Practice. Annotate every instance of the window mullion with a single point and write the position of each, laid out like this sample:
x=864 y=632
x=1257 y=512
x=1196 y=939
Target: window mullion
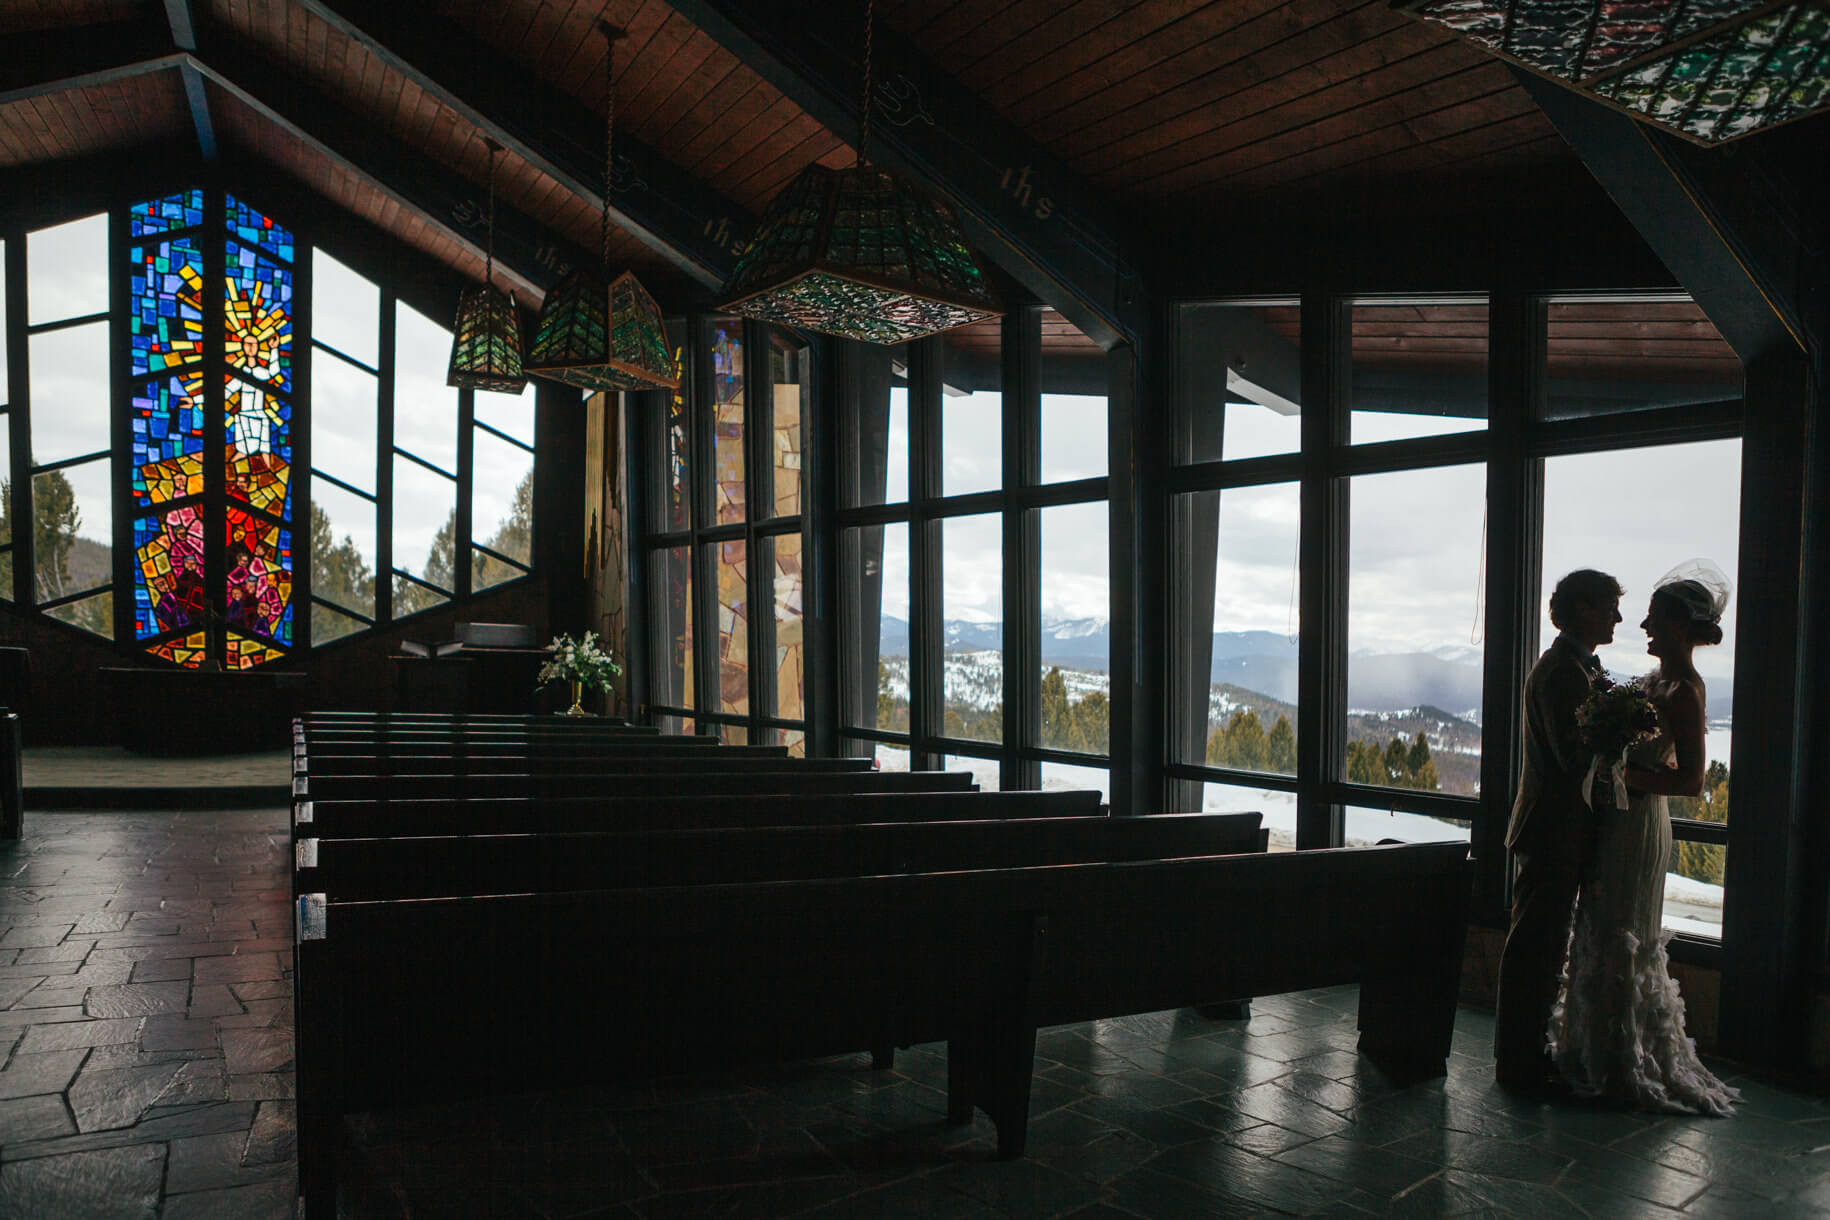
x=1021 y=353
x=1322 y=647
x=19 y=411
x=384 y=461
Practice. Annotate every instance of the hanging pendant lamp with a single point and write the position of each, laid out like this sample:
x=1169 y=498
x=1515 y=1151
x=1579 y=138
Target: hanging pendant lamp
x=862 y=253
x=595 y=332
x=486 y=338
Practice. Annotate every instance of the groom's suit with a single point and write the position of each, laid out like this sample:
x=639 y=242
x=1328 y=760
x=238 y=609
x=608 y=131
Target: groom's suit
x=1549 y=836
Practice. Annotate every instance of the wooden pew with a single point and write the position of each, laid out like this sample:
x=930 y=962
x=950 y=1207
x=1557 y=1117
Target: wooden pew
x=730 y=779
x=400 y=819
x=398 y=992
x=441 y=866
x=597 y=762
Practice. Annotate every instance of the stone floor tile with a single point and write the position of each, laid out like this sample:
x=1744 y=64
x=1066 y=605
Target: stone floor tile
x=212 y=1162
x=236 y=968
x=109 y=1184
x=198 y=1080
x=274 y=1199
x=34 y=1118
x=1161 y=1196
x=74 y=1034
x=18 y=1018
x=161 y=969
x=26 y=1075
x=251 y=1051
x=274 y=1136
x=261 y=1086
x=51 y=993
x=213 y=999
x=137 y=999
x=106 y=1099
x=22 y=936
x=68 y=951
x=172 y=1032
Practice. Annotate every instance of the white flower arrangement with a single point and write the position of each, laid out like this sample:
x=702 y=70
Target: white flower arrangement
x=580 y=661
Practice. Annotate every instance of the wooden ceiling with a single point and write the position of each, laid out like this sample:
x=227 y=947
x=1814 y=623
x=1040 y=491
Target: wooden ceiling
x=1165 y=108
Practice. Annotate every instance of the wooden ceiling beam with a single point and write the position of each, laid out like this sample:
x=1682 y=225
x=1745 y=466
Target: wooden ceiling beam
x=1033 y=215
x=526 y=254
x=183 y=24
x=38 y=64
x=682 y=219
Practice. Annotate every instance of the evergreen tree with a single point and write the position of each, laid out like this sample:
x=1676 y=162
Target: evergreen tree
x=1246 y=741
x=514 y=539
x=1419 y=754
x=1281 y=747
x=1092 y=720
x=1057 y=716
x=1397 y=764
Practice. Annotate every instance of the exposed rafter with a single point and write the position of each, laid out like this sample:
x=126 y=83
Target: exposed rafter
x=524 y=249
x=184 y=34
x=1027 y=209
x=680 y=218
x=51 y=62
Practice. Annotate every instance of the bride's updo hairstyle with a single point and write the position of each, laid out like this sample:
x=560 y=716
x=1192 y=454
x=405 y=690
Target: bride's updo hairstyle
x=1584 y=585
x=1696 y=590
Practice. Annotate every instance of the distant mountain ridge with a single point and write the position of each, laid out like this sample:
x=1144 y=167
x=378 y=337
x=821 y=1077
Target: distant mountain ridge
x=1262 y=661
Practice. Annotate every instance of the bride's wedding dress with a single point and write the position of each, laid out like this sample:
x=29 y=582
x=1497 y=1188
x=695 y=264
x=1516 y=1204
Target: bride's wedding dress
x=1617 y=1032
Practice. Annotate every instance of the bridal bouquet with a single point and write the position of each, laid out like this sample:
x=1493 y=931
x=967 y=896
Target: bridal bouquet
x=1615 y=717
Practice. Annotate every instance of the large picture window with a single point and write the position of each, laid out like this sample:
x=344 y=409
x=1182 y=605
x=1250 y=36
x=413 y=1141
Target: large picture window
x=170 y=398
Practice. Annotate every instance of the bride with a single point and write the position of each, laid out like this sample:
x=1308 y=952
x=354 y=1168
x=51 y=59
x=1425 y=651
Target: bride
x=1617 y=1032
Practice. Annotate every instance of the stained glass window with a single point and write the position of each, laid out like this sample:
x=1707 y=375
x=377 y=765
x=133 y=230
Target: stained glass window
x=192 y=603
x=727 y=418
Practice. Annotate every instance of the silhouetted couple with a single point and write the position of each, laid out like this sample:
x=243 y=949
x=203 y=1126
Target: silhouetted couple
x=1586 y=1005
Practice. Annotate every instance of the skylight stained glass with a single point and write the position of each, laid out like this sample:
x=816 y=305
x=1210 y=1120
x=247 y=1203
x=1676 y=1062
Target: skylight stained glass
x=167 y=421
x=180 y=211
x=257 y=315
x=258 y=592
x=169 y=591
x=165 y=325
x=258 y=455
x=258 y=229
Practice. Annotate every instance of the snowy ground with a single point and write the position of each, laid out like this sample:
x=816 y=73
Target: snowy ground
x=1690 y=906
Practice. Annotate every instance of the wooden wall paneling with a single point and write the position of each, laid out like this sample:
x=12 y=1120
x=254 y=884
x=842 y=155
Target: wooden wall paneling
x=710 y=69
x=1054 y=26
x=658 y=44
x=963 y=23
x=698 y=122
x=1455 y=147
x=691 y=65
x=762 y=175
x=991 y=39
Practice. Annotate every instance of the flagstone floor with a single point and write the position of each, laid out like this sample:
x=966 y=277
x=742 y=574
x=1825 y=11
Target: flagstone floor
x=146 y=1044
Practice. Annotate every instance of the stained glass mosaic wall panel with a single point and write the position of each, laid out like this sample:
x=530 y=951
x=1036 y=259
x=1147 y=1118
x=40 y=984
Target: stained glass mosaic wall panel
x=677 y=511
x=258 y=230
x=258 y=319
x=166 y=416
x=165 y=321
x=258 y=585
x=170 y=592
x=727 y=418
x=188 y=651
x=785 y=551
x=789 y=376
x=258 y=450
x=733 y=629
x=675 y=627
x=241 y=652
x=181 y=211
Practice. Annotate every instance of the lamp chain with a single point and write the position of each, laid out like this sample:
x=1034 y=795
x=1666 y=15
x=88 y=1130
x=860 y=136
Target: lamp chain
x=864 y=105
x=611 y=34
x=489 y=240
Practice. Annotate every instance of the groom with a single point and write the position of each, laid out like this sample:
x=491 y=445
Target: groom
x=1549 y=833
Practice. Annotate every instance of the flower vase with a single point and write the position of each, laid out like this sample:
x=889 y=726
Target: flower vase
x=577 y=708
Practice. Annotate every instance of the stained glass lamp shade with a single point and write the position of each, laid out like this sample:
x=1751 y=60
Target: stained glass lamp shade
x=1710 y=70
x=486 y=342
x=864 y=254
x=594 y=331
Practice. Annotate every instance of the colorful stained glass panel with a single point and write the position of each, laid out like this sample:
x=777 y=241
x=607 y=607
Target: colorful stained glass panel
x=242 y=652
x=258 y=318
x=727 y=418
x=258 y=456
x=181 y=211
x=167 y=423
x=188 y=651
x=257 y=229
x=259 y=583
x=168 y=586
x=165 y=325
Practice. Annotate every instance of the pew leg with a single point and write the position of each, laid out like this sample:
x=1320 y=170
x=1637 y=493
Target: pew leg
x=883 y=1057
x=992 y=1057
x=1407 y=1021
